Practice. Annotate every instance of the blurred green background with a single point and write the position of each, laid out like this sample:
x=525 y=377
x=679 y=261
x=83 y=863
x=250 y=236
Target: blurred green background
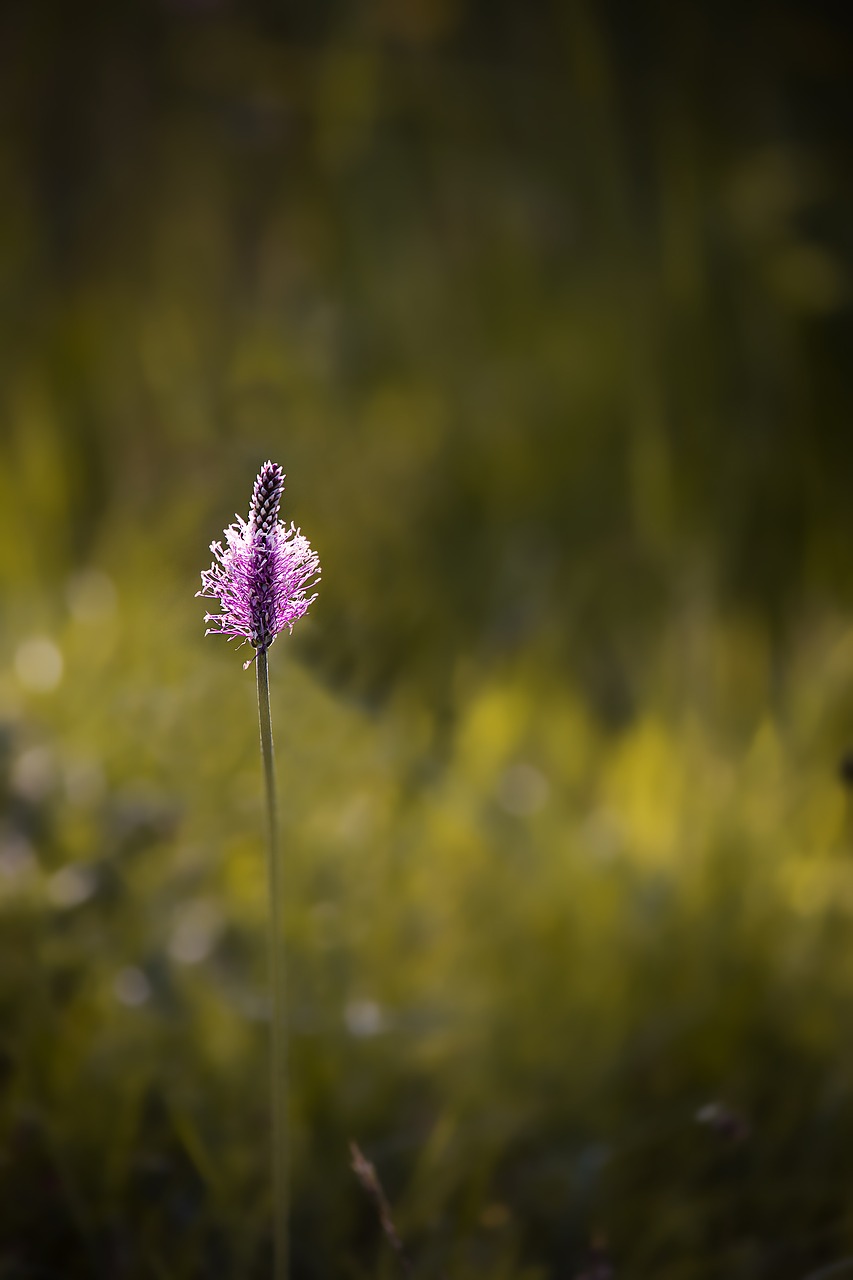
x=545 y=310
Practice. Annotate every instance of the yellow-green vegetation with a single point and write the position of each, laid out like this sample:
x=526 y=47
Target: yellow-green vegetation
x=547 y=319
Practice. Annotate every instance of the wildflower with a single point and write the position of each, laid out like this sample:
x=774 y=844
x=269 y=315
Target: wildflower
x=262 y=575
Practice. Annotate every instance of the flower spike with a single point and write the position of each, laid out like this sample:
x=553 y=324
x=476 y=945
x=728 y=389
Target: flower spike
x=262 y=575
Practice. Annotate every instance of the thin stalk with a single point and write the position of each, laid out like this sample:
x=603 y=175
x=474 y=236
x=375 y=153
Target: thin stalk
x=278 y=975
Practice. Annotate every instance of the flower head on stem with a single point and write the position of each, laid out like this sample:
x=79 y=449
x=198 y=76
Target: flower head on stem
x=262 y=575
x=261 y=578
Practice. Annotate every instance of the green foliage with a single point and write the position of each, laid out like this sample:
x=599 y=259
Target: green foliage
x=546 y=321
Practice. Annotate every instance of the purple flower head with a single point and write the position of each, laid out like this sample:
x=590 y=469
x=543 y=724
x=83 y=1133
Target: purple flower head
x=262 y=574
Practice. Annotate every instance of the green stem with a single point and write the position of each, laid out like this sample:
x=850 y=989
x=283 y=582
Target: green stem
x=278 y=971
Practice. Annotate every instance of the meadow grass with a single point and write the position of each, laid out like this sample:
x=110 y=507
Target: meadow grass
x=524 y=959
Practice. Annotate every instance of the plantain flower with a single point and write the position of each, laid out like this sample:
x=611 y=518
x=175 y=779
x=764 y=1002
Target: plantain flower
x=261 y=576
